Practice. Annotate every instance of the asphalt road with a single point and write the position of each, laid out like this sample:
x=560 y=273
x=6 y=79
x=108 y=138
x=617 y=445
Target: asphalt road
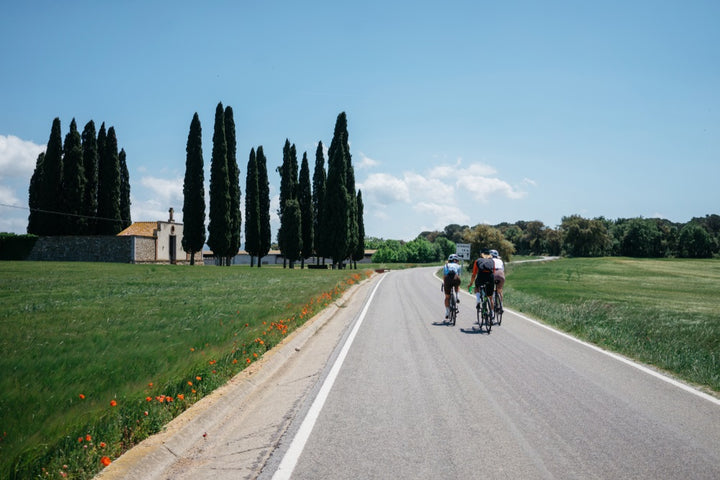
x=383 y=389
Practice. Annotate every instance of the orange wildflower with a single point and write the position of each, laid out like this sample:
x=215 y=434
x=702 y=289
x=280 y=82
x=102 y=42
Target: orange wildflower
x=88 y=438
x=103 y=444
x=82 y=397
x=105 y=461
x=113 y=403
x=148 y=399
x=181 y=396
x=198 y=378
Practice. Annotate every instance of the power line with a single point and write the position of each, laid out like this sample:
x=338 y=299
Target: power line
x=65 y=214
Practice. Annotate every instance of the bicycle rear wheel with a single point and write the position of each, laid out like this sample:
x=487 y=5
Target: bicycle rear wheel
x=498 y=310
x=453 y=309
x=486 y=315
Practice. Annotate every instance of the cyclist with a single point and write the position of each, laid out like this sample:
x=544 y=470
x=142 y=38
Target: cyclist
x=484 y=277
x=451 y=279
x=499 y=275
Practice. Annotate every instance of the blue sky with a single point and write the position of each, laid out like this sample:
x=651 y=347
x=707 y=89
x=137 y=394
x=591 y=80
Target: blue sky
x=458 y=112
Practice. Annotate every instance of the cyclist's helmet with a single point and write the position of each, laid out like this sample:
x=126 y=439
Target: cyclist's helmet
x=494 y=253
x=453 y=258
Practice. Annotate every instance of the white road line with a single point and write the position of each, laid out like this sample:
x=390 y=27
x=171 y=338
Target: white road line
x=287 y=465
x=620 y=358
x=624 y=360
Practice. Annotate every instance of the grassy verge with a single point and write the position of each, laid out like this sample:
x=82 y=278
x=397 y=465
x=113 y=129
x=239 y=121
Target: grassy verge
x=660 y=312
x=96 y=357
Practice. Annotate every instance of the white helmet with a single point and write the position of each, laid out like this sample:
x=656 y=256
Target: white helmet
x=453 y=258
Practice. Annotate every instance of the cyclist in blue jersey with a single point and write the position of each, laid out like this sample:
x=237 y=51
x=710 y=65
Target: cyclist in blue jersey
x=451 y=279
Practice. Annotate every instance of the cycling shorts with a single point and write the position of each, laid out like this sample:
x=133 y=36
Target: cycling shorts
x=487 y=281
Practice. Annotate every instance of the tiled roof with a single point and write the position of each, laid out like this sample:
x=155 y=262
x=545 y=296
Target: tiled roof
x=140 y=229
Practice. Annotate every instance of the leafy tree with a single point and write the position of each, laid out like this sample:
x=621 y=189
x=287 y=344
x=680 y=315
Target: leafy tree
x=219 y=228
x=694 y=241
x=90 y=164
x=109 y=221
x=73 y=188
x=641 y=239
x=34 y=196
x=359 y=252
x=306 y=210
x=194 y=192
x=454 y=232
x=124 y=191
x=264 y=206
x=583 y=237
x=292 y=231
x=235 y=225
x=446 y=246
x=252 y=208
x=318 y=192
x=486 y=237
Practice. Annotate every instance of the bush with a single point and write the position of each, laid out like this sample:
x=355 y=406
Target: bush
x=16 y=247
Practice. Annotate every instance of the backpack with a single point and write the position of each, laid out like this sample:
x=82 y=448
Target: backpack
x=485 y=265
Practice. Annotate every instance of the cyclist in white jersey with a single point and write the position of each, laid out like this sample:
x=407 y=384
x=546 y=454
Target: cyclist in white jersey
x=451 y=279
x=499 y=273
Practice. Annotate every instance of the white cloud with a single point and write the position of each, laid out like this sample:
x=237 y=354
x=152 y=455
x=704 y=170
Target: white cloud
x=18 y=157
x=367 y=162
x=385 y=189
x=170 y=191
x=7 y=196
x=484 y=188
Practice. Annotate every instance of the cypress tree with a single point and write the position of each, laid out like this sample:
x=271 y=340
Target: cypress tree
x=219 y=227
x=336 y=215
x=359 y=252
x=292 y=231
x=50 y=192
x=306 y=210
x=34 y=199
x=109 y=221
x=352 y=206
x=73 y=183
x=124 y=192
x=194 y=192
x=90 y=163
x=263 y=206
x=252 y=208
x=318 y=198
x=101 y=143
x=233 y=185
x=288 y=187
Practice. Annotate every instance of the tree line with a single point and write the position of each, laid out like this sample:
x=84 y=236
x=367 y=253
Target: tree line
x=324 y=219
x=80 y=186
x=576 y=237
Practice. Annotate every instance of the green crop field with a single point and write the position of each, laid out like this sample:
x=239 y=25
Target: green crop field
x=662 y=312
x=96 y=357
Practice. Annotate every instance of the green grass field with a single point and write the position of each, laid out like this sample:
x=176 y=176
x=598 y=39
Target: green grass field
x=662 y=312
x=96 y=357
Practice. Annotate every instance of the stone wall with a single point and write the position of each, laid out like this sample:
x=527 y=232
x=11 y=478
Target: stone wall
x=83 y=249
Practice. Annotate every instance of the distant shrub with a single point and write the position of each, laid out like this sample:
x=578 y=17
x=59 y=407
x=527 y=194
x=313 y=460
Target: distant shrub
x=16 y=247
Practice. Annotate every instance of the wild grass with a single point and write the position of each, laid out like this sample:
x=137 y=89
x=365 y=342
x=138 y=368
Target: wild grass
x=96 y=357
x=662 y=312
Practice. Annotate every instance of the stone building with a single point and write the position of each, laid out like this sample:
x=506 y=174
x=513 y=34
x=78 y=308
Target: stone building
x=159 y=242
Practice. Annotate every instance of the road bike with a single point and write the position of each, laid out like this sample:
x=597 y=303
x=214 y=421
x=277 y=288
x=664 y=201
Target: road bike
x=498 y=307
x=483 y=311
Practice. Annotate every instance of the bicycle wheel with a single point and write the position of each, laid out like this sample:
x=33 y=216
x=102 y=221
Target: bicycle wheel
x=498 y=310
x=453 y=309
x=486 y=314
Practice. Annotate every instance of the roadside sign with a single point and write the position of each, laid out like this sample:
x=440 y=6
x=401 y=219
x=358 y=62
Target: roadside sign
x=463 y=250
